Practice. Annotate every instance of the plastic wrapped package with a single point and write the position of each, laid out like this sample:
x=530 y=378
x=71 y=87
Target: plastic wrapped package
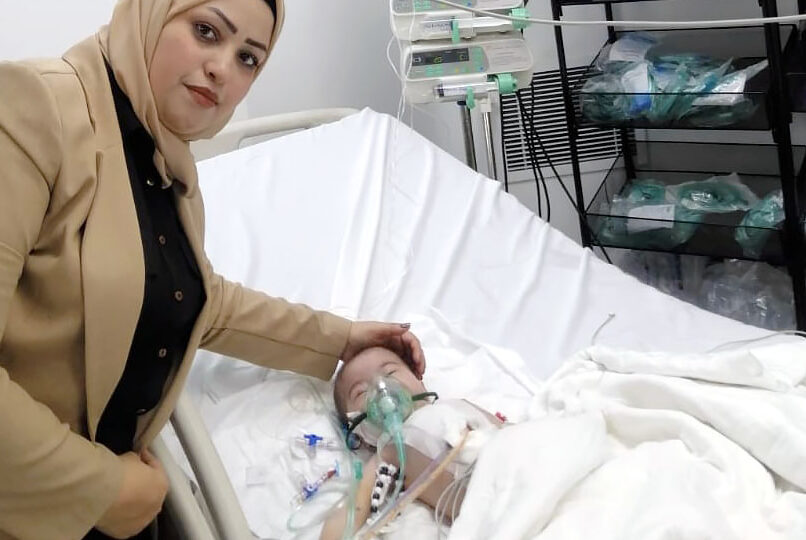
x=650 y=215
x=680 y=79
x=675 y=275
x=726 y=104
x=632 y=85
x=645 y=215
x=758 y=223
x=715 y=195
x=751 y=292
x=621 y=92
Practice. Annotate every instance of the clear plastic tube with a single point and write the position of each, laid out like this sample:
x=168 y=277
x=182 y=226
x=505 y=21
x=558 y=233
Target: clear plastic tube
x=720 y=23
x=343 y=494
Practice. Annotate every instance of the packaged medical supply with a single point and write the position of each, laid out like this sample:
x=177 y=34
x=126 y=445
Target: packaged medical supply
x=751 y=292
x=646 y=215
x=673 y=274
x=717 y=195
x=759 y=222
x=651 y=215
x=629 y=84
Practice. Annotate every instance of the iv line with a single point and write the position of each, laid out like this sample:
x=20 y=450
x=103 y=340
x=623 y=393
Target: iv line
x=723 y=23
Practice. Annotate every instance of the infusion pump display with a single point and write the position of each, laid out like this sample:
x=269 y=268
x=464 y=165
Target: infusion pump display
x=453 y=61
x=486 y=56
x=448 y=56
x=407 y=6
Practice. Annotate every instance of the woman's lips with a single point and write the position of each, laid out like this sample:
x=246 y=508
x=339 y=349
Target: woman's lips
x=202 y=96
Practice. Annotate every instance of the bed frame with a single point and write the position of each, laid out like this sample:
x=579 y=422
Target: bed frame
x=213 y=512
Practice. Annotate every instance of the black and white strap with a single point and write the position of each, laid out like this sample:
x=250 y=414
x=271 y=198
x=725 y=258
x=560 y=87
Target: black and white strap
x=385 y=476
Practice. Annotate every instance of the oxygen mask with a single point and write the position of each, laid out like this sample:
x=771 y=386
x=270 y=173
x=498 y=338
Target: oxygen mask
x=388 y=404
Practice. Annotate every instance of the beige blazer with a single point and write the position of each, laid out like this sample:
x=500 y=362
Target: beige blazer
x=71 y=289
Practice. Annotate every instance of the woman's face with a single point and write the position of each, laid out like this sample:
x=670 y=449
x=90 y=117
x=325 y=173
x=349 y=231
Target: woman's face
x=206 y=60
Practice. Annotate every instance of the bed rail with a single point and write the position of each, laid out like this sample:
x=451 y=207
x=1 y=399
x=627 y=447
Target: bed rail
x=233 y=135
x=226 y=519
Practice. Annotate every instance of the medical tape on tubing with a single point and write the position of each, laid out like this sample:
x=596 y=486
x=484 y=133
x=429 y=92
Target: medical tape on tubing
x=719 y=23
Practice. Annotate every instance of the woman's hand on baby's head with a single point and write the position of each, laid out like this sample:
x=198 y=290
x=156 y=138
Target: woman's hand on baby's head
x=395 y=337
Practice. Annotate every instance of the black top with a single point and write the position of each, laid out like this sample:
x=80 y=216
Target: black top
x=173 y=295
x=172 y=298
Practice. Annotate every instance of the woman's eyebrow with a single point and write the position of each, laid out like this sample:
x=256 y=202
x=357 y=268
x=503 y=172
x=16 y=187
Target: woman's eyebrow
x=250 y=41
x=234 y=29
x=229 y=23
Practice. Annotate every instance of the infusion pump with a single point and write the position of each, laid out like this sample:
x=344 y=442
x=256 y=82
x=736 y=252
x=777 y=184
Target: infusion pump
x=447 y=71
x=415 y=20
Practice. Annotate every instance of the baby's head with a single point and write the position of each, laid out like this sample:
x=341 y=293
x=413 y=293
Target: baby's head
x=354 y=378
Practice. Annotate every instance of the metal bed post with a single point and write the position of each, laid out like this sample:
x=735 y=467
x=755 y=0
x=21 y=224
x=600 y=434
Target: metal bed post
x=215 y=485
x=626 y=147
x=488 y=139
x=467 y=132
x=180 y=503
x=229 y=522
x=793 y=233
x=556 y=12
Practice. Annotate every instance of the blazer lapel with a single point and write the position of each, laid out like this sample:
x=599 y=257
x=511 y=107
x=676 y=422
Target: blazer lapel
x=112 y=268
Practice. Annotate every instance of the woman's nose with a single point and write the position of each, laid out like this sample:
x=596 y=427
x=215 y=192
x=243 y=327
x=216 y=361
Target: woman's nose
x=217 y=69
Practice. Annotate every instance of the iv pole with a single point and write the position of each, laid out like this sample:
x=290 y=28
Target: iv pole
x=470 y=147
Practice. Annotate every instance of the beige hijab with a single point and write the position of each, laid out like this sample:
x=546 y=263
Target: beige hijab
x=128 y=43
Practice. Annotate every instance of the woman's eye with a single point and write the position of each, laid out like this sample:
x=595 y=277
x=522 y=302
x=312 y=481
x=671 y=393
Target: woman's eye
x=249 y=60
x=205 y=32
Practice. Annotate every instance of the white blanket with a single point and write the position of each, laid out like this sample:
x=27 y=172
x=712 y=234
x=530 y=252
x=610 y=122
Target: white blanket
x=634 y=446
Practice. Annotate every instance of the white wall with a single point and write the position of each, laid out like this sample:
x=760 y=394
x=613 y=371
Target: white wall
x=46 y=28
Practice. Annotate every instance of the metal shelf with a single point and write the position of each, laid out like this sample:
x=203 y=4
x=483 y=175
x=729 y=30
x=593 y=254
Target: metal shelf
x=782 y=91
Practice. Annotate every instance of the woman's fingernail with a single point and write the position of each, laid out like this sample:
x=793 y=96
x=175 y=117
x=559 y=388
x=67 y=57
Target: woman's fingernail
x=406 y=325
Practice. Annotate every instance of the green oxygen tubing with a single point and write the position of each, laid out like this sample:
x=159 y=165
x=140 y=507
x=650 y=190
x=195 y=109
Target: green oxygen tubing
x=388 y=405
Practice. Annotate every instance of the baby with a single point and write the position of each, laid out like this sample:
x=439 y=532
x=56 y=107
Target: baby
x=428 y=430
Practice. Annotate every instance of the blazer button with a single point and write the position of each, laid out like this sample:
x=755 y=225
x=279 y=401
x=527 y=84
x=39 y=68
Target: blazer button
x=179 y=296
x=162 y=353
x=162 y=240
x=150 y=182
x=140 y=412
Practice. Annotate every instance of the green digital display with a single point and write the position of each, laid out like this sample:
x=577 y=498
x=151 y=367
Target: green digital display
x=432 y=58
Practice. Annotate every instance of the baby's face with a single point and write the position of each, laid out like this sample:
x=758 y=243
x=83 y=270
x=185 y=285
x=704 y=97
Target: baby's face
x=359 y=372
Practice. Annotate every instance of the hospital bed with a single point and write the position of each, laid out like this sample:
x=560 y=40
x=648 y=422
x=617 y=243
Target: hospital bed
x=362 y=216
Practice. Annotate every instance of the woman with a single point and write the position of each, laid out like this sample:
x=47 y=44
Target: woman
x=105 y=291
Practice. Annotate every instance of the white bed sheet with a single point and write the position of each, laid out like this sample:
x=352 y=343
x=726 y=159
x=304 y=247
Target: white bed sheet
x=368 y=219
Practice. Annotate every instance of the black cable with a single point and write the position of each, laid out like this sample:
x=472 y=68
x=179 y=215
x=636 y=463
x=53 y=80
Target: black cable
x=503 y=146
x=574 y=204
x=534 y=131
x=536 y=171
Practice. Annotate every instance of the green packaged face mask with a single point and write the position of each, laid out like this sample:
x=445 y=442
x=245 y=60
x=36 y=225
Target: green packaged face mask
x=715 y=195
x=646 y=216
x=759 y=222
